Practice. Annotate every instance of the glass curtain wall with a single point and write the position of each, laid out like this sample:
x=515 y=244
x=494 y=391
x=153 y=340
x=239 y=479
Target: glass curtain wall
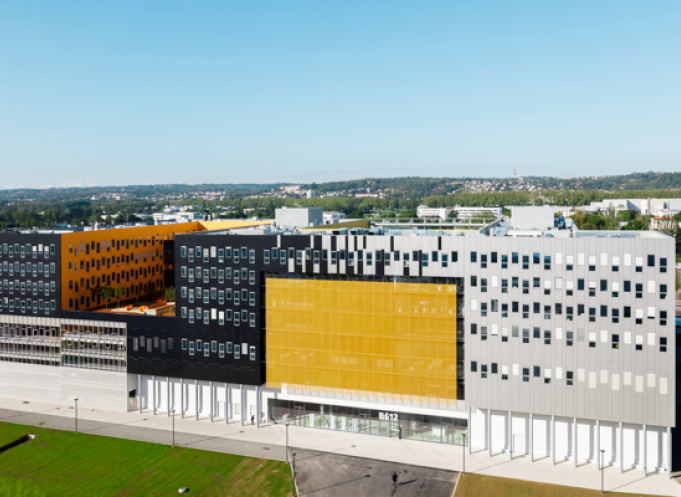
x=438 y=429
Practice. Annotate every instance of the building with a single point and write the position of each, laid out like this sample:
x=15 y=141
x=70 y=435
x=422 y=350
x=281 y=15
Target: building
x=442 y=213
x=333 y=217
x=299 y=217
x=530 y=337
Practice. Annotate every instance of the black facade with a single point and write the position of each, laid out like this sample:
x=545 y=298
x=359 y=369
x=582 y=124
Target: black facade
x=30 y=274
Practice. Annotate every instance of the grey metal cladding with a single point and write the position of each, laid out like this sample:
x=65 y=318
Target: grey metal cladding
x=610 y=384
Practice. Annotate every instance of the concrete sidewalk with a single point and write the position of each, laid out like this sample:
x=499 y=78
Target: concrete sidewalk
x=269 y=441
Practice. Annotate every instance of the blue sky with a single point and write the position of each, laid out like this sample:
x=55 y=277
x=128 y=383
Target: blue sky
x=194 y=92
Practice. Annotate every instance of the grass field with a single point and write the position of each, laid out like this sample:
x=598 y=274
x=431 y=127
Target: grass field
x=62 y=463
x=490 y=486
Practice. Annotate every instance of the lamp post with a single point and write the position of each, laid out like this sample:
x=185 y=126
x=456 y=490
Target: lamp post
x=602 y=468
x=173 y=414
x=76 y=415
x=294 y=473
x=463 y=435
x=286 y=442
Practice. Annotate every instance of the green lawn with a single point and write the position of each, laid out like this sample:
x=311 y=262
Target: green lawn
x=62 y=463
x=472 y=485
x=9 y=433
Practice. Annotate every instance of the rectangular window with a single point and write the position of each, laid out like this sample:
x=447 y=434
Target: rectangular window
x=252 y=353
x=547 y=337
x=455 y=256
x=266 y=256
x=474 y=257
x=569 y=338
x=663 y=264
x=615 y=341
x=483 y=333
x=483 y=260
x=504 y=261
x=237 y=351
x=445 y=260
x=570 y=376
x=651 y=261
x=474 y=329
x=474 y=281
x=526 y=374
x=474 y=366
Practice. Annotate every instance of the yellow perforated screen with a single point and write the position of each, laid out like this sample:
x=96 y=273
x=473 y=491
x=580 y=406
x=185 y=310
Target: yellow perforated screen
x=374 y=339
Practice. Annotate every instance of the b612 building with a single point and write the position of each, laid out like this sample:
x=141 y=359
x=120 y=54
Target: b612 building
x=528 y=337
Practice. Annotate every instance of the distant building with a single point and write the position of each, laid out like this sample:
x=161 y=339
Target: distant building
x=333 y=217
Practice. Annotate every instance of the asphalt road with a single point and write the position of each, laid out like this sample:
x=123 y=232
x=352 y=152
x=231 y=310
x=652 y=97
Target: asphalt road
x=325 y=474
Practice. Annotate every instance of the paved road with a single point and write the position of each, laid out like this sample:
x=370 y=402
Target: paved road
x=135 y=430
x=324 y=474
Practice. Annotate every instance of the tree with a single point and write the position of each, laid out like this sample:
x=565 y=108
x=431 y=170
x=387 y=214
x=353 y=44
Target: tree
x=453 y=215
x=107 y=292
x=169 y=294
x=119 y=291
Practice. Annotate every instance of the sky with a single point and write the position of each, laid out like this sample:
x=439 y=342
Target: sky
x=115 y=93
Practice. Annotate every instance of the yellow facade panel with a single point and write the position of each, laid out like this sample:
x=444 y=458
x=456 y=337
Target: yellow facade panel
x=386 y=340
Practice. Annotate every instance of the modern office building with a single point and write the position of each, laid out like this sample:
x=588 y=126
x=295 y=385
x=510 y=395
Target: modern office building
x=529 y=337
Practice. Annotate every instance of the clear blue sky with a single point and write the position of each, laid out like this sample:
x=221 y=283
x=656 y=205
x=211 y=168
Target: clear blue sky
x=193 y=92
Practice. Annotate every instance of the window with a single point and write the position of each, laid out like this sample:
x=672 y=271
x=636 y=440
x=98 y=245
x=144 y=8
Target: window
x=483 y=284
x=494 y=368
x=504 y=310
x=222 y=351
x=483 y=309
x=559 y=309
x=651 y=261
x=536 y=333
x=424 y=259
x=569 y=338
x=514 y=282
x=526 y=311
x=483 y=260
x=504 y=261
x=547 y=262
x=580 y=284
x=526 y=335
x=663 y=292
x=526 y=262
x=474 y=329
x=639 y=290
x=615 y=341
x=570 y=376
x=604 y=285
x=434 y=256
x=663 y=318
x=604 y=311
x=663 y=264
x=615 y=315
x=537 y=371
x=474 y=366
x=474 y=281
x=536 y=308
x=547 y=312
x=547 y=337
x=184 y=344
x=483 y=370
x=536 y=283
x=266 y=256
x=229 y=347
x=483 y=333
x=663 y=344
x=526 y=374
x=474 y=257
x=592 y=314
x=237 y=351
x=198 y=345
x=526 y=286
x=627 y=311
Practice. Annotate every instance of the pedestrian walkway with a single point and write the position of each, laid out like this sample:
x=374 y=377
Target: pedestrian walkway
x=269 y=441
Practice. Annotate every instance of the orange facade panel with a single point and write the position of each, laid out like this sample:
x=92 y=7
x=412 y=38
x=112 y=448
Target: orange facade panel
x=373 y=339
x=131 y=258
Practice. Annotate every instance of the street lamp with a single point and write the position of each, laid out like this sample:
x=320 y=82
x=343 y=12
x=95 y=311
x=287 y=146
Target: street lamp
x=286 y=442
x=294 y=473
x=173 y=414
x=76 y=415
x=602 y=468
x=463 y=435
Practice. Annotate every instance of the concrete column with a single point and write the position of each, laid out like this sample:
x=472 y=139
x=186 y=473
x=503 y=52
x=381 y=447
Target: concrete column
x=669 y=452
x=531 y=437
x=168 y=393
x=553 y=440
x=489 y=432
x=470 y=432
x=211 y=401
x=597 y=438
x=139 y=392
x=181 y=398
x=645 y=450
x=575 y=450
x=196 y=400
x=510 y=435
x=153 y=394
x=621 y=447
x=241 y=403
x=257 y=406
x=227 y=403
